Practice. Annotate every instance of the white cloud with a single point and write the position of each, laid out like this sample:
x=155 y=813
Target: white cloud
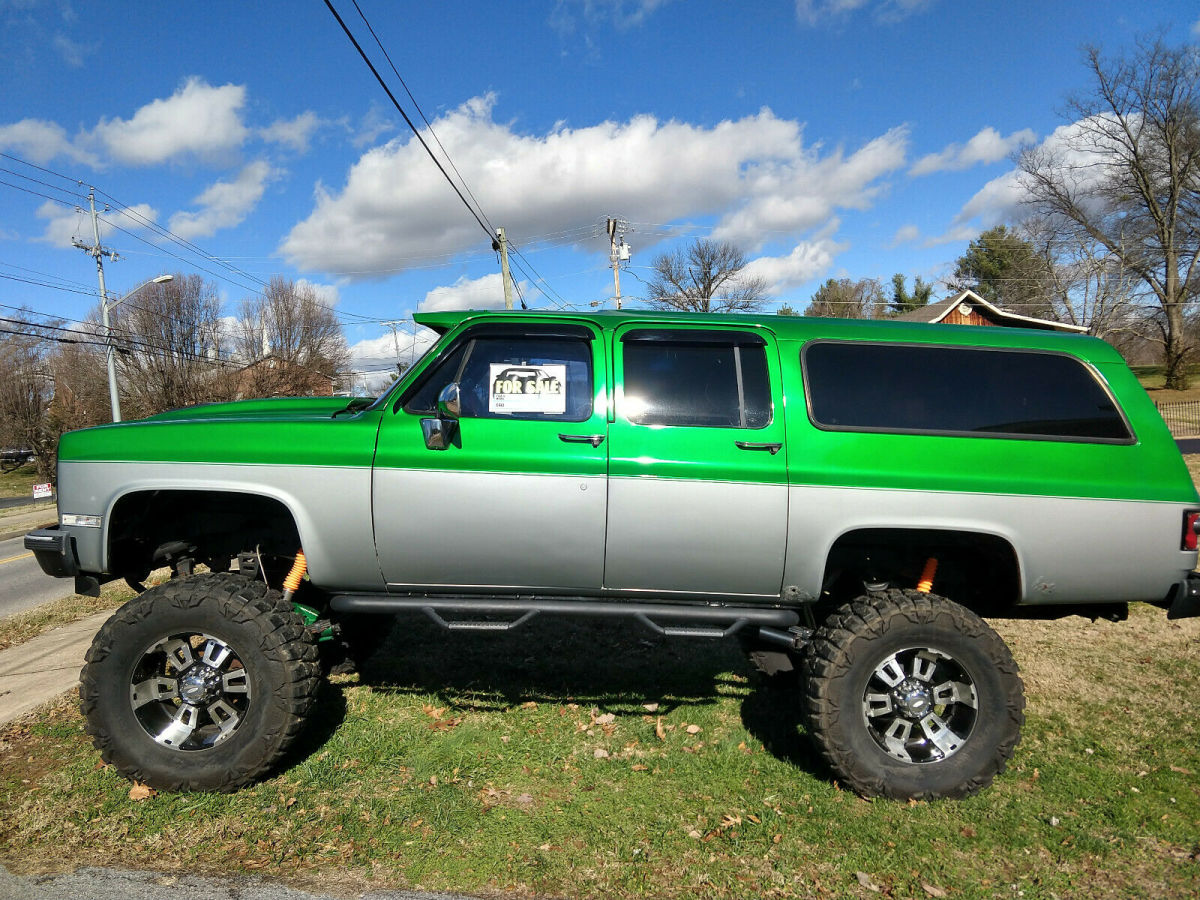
x=808 y=260
x=371 y=127
x=40 y=141
x=755 y=175
x=818 y=12
x=466 y=293
x=804 y=192
x=327 y=294
x=72 y=52
x=63 y=224
x=1196 y=28
x=905 y=234
x=622 y=13
x=197 y=120
x=225 y=203
x=1001 y=199
x=295 y=133
x=984 y=148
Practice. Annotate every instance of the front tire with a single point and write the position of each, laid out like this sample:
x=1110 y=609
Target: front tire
x=199 y=684
x=912 y=696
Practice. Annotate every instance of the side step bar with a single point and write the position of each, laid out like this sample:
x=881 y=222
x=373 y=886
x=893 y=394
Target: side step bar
x=676 y=620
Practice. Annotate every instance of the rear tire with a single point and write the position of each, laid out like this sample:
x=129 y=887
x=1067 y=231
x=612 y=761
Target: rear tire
x=199 y=684
x=912 y=696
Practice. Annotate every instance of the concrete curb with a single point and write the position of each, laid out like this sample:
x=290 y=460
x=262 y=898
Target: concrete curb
x=44 y=667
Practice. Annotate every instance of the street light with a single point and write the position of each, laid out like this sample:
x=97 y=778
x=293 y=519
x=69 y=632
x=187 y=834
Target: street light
x=105 y=306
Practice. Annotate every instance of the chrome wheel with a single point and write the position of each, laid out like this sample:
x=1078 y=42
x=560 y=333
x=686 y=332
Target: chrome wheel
x=190 y=691
x=920 y=705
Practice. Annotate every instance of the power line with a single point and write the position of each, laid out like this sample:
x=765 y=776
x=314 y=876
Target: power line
x=421 y=112
x=383 y=84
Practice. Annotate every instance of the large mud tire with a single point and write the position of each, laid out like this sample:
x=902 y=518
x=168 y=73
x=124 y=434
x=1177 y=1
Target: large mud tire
x=911 y=696
x=219 y=644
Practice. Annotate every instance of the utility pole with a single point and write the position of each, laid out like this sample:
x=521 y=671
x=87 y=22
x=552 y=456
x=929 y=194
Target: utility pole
x=394 y=324
x=97 y=252
x=501 y=244
x=617 y=252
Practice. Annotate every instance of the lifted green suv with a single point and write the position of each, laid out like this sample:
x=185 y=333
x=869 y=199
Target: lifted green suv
x=847 y=498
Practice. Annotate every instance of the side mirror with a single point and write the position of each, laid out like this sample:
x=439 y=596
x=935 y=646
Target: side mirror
x=447 y=403
x=440 y=432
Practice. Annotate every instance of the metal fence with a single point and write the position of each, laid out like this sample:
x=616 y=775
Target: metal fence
x=1182 y=418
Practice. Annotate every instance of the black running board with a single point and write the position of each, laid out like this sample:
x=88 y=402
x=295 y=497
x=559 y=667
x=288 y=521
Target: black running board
x=667 y=619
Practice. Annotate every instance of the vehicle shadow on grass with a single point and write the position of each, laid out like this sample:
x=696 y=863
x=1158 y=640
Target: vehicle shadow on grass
x=615 y=667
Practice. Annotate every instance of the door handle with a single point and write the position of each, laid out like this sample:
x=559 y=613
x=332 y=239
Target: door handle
x=594 y=439
x=750 y=445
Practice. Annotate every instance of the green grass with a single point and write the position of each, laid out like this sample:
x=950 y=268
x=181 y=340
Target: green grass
x=480 y=763
x=20 y=482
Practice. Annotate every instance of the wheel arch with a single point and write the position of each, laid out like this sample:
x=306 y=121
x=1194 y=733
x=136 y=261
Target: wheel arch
x=142 y=517
x=978 y=567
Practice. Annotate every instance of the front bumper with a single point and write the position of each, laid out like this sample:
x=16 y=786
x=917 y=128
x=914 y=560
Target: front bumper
x=1185 y=599
x=55 y=551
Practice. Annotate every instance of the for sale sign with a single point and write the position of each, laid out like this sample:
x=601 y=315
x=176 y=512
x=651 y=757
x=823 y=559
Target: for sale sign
x=41 y=491
x=528 y=389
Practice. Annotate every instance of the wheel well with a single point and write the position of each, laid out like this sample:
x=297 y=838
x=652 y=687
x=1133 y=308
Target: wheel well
x=147 y=528
x=978 y=571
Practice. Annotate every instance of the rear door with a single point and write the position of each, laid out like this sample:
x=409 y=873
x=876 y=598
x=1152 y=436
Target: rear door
x=698 y=496
x=518 y=499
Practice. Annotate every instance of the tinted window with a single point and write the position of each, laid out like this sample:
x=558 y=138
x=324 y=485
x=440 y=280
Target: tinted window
x=513 y=377
x=894 y=387
x=676 y=380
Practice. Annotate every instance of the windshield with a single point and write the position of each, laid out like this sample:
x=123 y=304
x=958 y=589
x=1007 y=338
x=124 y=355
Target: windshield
x=416 y=364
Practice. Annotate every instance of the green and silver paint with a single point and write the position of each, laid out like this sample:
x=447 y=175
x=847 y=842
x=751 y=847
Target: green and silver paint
x=666 y=510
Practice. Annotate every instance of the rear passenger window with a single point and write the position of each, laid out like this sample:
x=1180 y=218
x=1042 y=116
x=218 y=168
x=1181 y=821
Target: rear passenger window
x=716 y=379
x=958 y=390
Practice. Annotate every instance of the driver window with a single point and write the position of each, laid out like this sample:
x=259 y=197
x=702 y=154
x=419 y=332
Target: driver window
x=519 y=377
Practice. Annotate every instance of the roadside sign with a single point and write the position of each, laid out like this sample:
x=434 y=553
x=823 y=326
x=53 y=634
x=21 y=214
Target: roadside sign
x=41 y=491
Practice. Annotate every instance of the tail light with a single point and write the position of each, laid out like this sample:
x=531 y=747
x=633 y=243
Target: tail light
x=1191 y=521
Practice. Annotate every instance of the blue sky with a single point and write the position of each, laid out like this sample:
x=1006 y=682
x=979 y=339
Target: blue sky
x=827 y=138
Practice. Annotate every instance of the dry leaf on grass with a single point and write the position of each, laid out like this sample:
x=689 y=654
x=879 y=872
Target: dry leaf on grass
x=141 y=791
x=659 y=731
x=865 y=880
x=650 y=707
x=932 y=890
x=693 y=729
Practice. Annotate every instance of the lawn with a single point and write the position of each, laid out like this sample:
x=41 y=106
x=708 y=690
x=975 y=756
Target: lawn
x=594 y=761
x=19 y=482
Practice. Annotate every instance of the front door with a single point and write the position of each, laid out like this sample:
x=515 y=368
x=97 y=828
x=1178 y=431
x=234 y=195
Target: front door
x=697 y=497
x=518 y=499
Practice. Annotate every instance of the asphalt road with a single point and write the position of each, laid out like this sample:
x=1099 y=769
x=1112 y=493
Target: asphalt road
x=23 y=584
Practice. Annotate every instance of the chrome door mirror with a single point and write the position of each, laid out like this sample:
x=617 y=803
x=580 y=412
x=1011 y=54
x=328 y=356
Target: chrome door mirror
x=447 y=403
x=439 y=433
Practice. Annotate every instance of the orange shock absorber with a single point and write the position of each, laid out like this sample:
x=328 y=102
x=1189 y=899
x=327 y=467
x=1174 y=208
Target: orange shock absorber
x=926 y=581
x=292 y=583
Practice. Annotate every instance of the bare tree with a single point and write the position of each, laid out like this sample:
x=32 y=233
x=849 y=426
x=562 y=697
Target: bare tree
x=707 y=276
x=843 y=298
x=1081 y=283
x=292 y=342
x=172 y=337
x=1126 y=176
x=26 y=390
x=80 y=386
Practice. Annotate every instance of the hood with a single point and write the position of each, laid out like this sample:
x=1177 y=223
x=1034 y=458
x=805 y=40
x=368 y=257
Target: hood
x=289 y=408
